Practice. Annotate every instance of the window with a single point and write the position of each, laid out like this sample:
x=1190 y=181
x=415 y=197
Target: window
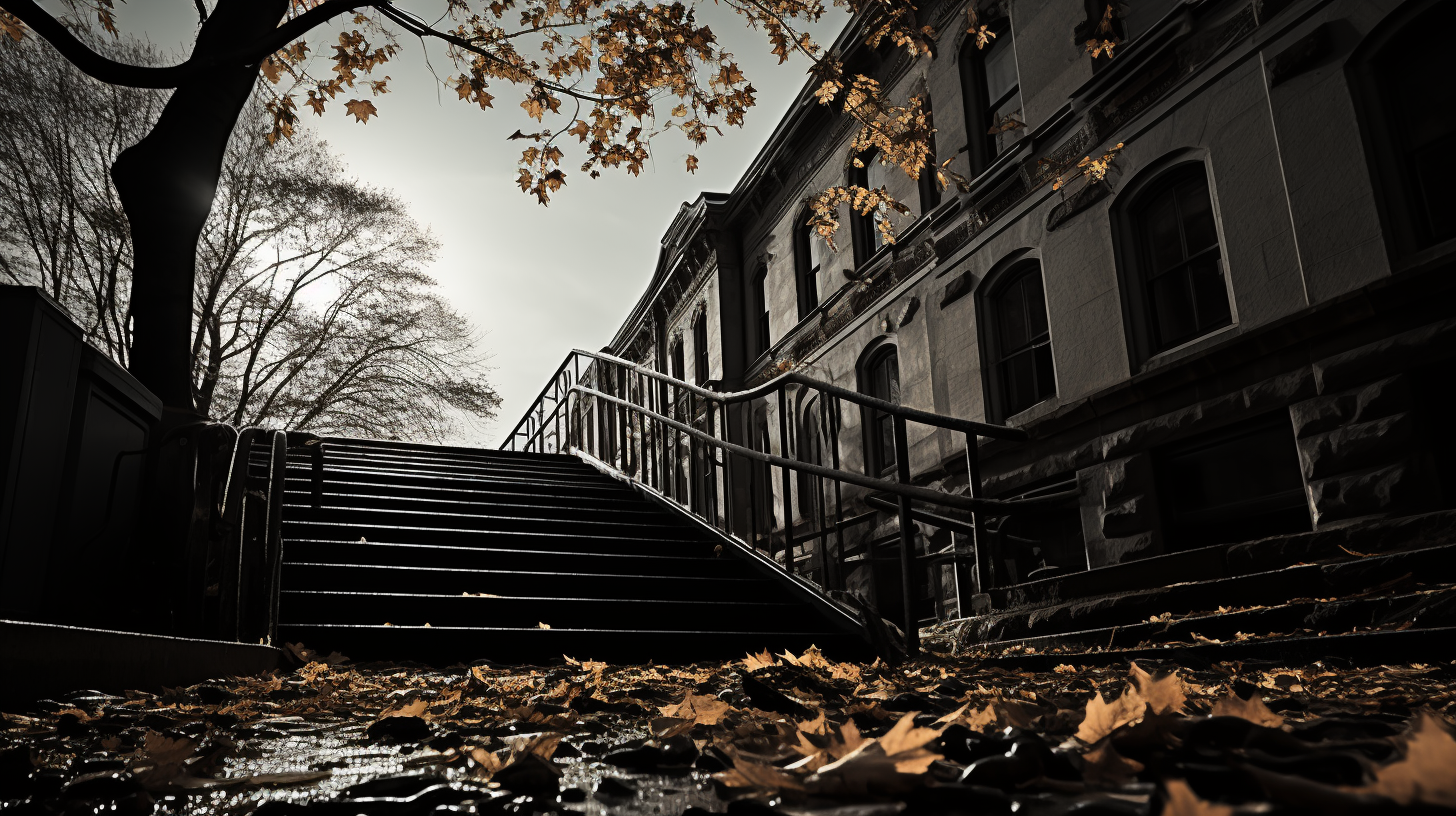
x=1234 y=484
x=677 y=360
x=992 y=93
x=1408 y=93
x=881 y=379
x=700 y=349
x=1182 y=267
x=809 y=251
x=1173 y=277
x=929 y=187
x=810 y=451
x=864 y=237
x=758 y=306
x=1017 y=341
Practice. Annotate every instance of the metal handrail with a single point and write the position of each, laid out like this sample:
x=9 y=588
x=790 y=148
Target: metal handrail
x=640 y=422
x=788 y=378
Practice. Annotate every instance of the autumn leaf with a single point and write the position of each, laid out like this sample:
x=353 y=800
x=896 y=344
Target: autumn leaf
x=1182 y=801
x=762 y=660
x=361 y=109
x=1163 y=695
x=1104 y=766
x=1252 y=709
x=1425 y=773
x=692 y=164
x=702 y=709
x=418 y=708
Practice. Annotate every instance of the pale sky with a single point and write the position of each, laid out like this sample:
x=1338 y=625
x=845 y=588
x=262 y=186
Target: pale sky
x=536 y=281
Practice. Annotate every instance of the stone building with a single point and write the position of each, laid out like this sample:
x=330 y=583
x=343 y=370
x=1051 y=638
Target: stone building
x=1245 y=330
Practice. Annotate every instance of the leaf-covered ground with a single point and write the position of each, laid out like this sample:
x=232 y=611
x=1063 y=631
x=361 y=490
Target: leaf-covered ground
x=768 y=733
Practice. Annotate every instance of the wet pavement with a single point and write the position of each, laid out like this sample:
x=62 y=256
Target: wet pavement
x=768 y=734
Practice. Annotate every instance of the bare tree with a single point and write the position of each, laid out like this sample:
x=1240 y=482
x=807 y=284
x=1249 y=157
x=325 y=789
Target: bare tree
x=311 y=306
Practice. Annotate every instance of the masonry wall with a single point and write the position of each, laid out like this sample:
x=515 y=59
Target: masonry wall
x=1331 y=332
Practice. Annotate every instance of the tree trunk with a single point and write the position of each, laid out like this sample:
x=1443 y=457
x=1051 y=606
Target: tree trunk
x=167 y=182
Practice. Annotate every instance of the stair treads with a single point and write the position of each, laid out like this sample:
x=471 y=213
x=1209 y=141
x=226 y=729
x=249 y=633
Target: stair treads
x=455 y=581
x=597 y=518
x=388 y=553
x=422 y=449
x=364 y=475
x=467 y=507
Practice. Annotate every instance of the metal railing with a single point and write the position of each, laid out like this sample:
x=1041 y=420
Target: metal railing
x=706 y=451
x=234 y=550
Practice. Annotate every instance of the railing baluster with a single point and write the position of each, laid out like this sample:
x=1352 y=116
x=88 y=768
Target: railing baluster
x=985 y=570
x=784 y=481
x=907 y=539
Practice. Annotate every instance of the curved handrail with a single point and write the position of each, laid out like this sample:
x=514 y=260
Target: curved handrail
x=773 y=385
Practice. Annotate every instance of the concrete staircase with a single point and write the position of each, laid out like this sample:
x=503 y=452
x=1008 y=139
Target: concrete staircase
x=441 y=555
x=1367 y=592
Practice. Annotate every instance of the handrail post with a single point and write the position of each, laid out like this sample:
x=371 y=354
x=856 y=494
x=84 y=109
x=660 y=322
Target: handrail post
x=907 y=538
x=984 y=574
x=785 y=482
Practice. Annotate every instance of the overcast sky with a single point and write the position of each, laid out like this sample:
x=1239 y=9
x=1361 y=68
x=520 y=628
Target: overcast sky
x=536 y=281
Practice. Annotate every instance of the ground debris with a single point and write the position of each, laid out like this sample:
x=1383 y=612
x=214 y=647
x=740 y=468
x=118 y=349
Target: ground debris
x=793 y=734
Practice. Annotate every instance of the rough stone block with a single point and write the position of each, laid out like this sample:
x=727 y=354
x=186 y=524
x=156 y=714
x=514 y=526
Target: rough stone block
x=1126 y=518
x=1364 y=494
x=1357 y=446
x=1321 y=414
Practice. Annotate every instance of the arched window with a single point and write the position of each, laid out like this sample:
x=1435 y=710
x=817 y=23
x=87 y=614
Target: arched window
x=810 y=450
x=881 y=379
x=758 y=311
x=1407 y=93
x=809 y=251
x=1173 y=264
x=992 y=93
x=700 y=348
x=1017 y=342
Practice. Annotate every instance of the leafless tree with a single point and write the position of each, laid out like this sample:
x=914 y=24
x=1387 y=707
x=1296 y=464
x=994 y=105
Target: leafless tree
x=312 y=309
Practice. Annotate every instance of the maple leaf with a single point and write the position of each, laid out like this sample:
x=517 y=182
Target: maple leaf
x=1180 y=800
x=1424 y=773
x=762 y=660
x=361 y=109
x=1163 y=695
x=1252 y=709
x=891 y=764
x=692 y=164
x=418 y=708
x=702 y=709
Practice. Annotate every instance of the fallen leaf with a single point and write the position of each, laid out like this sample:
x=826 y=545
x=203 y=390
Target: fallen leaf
x=1252 y=709
x=1425 y=773
x=1105 y=767
x=1182 y=801
x=762 y=660
x=700 y=708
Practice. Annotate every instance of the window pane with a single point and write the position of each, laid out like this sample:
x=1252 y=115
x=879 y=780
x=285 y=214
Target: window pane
x=1018 y=383
x=892 y=367
x=1046 y=379
x=887 y=441
x=1193 y=204
x=1160 y=231
x=1035 y=305
x=1172 y=303
x=1011 y=319
x=1210 y=293
x=1000 y=60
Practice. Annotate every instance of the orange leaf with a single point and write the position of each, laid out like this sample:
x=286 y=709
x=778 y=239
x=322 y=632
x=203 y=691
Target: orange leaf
x=361 y=109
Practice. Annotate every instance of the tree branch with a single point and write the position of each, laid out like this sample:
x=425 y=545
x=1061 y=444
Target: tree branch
x=112 y=72
x=201 y=11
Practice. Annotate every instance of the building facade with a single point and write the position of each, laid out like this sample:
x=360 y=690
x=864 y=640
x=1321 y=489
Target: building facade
x=1245 y=329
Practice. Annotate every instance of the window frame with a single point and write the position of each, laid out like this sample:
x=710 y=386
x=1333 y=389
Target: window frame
x=1000 y=281
x=758 y=318
x=975 y=96
x=862 y=227
x=1381 y=136
x=806 y=275
x=879 y=457
x=700 y=348
x=1132 y=264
